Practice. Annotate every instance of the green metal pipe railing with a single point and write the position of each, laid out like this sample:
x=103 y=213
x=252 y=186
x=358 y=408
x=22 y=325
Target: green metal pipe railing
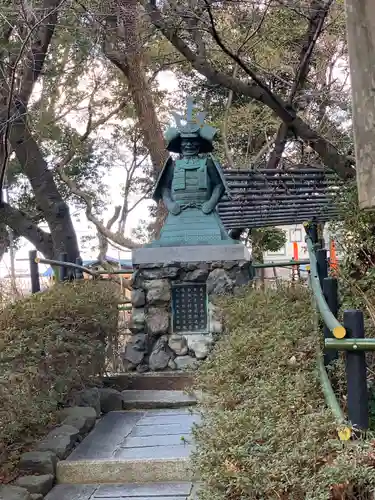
x=72 y=265
x=350 y=344
x=329 y=319
x=65 y=264
x=329 y=394
x=263 y=265
x=116 y=271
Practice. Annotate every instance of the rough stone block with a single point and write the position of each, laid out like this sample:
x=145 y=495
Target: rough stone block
x=185 y=362
x=41 y=462
x=219 y=283
x=157 y=321
x=200 y=345
x=60 y=441
x=160 y=355
x=135 y=349
x=13 y=493
x=88 y=397
x=82 y=418
x=138 y=298
x=158 y=291
x=199 y=275
x=110 y=400
x=160 y=273
x=36 y=484
x=137 y=322
x=178 y=344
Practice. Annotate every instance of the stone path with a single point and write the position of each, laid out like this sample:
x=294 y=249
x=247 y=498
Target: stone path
x=135 y=454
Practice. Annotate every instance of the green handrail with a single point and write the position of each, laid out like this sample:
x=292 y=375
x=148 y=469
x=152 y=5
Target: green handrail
x=65 y=264
x=350 y=344
x=263 y=265
x=329 y=395
x=329 y=319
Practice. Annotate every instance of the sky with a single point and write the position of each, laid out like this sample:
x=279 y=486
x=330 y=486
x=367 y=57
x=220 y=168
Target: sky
x=167 y=81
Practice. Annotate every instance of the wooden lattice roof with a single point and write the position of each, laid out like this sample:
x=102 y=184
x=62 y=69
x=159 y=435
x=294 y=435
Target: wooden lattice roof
x=260 y=198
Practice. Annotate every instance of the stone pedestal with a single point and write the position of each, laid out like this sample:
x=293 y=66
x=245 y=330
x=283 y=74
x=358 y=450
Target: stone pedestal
x=174 y=321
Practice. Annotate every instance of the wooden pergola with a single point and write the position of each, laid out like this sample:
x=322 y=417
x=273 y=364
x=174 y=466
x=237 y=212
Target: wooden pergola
x=260 y=198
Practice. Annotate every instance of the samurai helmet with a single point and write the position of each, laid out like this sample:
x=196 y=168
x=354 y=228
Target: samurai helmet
x=193 y=128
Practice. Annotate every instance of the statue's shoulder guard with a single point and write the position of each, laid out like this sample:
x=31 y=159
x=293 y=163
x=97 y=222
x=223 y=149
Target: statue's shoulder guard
x=161 y=181
x=220 y=173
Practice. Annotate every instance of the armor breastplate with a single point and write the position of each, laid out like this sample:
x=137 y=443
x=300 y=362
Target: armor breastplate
x=190 y=181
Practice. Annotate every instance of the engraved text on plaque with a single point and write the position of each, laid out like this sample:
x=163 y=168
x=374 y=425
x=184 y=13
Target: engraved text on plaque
x=189 y=305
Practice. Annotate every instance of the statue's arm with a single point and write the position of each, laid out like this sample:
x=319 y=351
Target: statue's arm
x=166 y=191
x=217 y=191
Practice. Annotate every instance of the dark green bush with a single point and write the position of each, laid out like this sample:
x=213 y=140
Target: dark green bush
x=50 y=344
x=266 y=431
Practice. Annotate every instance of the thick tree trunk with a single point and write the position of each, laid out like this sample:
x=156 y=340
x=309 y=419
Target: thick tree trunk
x=15 y=90
x=130 y=61
x=47 y=196
x=361 y=45
x=23 y=226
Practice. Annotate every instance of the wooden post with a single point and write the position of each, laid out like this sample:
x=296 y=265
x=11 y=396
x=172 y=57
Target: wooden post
x=360 y=23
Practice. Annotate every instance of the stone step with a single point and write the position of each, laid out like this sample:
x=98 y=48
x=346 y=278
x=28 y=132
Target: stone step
x=157 y=399
x=135 y=491
x=151 y=381
x=133 y=446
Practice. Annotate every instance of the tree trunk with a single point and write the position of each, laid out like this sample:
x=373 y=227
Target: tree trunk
x=47 y=196
x=130 y=61
x=23 y=226
x=361 y=45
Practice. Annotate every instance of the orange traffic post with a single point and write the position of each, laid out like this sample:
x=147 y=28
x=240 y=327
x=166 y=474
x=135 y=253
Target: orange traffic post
x=295 y=269
x=333 y=263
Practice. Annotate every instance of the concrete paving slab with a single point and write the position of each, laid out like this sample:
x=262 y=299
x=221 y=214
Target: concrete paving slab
x=135 y=491
x=71 y=492
x=157 y=399
x=123 y=471
x=106 y=436
x=161 y=430
x=151 y=490
x=147 y=498
x=122 y=449
x=169 y=452
x=147 y=441
x=168 y=419
x=150 y=413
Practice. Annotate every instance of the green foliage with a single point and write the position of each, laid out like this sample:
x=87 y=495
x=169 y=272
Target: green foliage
x=266 y=431
x=355 y=234
x=51 y=344
x=265 y=239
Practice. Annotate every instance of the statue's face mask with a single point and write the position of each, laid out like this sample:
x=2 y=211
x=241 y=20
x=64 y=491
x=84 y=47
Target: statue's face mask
x=190 y=147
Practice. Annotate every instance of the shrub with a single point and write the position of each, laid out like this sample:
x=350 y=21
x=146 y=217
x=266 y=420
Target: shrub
x=50 y=344
x=266 y=431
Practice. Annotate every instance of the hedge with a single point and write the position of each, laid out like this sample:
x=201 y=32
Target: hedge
x=51 y=343
x=266 y=431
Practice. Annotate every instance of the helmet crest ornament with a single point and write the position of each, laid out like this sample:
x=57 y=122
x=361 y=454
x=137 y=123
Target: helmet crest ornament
x=190 y=127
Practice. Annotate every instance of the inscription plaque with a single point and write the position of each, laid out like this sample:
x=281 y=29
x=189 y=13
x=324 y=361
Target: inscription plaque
x=189 y=307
